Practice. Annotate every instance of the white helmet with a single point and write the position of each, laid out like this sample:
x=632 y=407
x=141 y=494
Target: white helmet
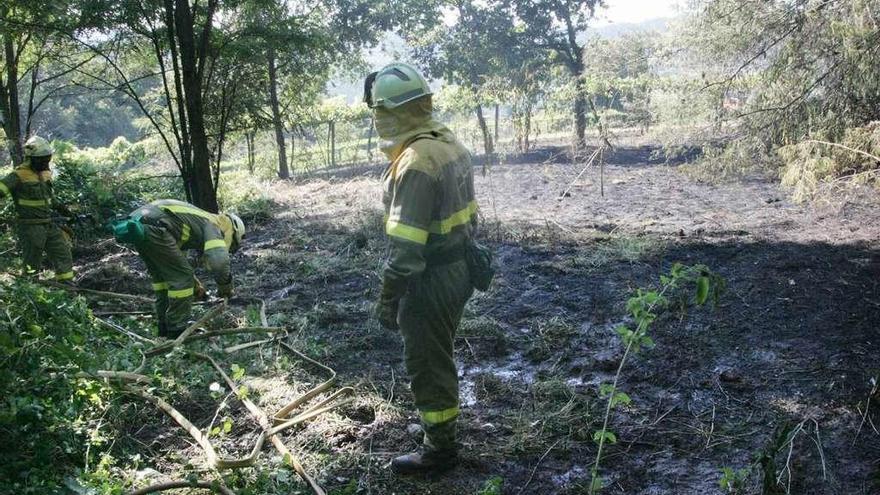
x=37 y=146
x=238 y=229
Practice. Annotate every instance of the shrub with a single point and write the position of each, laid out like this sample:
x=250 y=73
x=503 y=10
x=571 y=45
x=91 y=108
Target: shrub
x=48 y=410
x=811 y=163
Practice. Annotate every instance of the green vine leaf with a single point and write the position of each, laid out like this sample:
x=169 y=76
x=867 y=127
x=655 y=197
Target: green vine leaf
x=702 y=290
x=609 y=437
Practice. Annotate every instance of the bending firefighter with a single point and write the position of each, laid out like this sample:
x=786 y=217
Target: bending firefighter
x=430 y=216
x=161 y=231
x=30 y=187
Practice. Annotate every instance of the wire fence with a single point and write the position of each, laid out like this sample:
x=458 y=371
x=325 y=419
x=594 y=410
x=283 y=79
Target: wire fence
x=347 y=143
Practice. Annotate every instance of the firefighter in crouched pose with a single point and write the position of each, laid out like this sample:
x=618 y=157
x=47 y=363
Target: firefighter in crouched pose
x=30 y=187
x=161 y=231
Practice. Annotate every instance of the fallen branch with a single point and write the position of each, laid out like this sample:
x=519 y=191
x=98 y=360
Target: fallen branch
x=215 y=311
x=288 y=457
x=199 y=437
x=171 y=485
x=116 y=375
x=125 y=331
x=213 y=333
x=94 y=292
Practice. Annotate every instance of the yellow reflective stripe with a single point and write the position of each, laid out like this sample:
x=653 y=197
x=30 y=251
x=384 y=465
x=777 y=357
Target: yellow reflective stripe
x=184 y=234
x=4 y=189
x=64 y=276
x=180 y=294
x=461 y=217
x=33 y=202
x=434 y=417
x=214 y=244
x=190 y=211
x=407 y=232
x=160 y=286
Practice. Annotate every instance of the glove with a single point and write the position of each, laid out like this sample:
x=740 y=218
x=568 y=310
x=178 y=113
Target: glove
x=386 y=313
x=225 y=290
x=389 y=302
x=199 y=292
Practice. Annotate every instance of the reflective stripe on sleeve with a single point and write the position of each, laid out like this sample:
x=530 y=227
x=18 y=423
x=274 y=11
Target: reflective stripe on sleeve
x=214 y=244
x=184 y=234
x=4 y=189
x=435 y=417
x=461 y=217
x=160 y=286
x=64 y=276
x=407 y=232
x=181 y=293
x=33 y=202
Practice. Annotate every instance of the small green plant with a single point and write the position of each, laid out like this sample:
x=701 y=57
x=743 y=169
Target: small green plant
x=492 y=486
x=644 y=307
x=733 y=481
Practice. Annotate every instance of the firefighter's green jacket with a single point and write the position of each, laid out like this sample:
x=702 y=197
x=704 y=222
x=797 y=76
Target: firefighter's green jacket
x=430 y=215
x=32 y=195
x=172 y=227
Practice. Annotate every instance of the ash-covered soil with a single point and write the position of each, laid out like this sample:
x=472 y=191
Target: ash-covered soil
x=776 y=380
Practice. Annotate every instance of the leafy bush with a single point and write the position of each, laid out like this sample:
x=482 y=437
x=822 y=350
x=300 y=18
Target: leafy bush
x=245 y=195
x=732 y=161
x=49 y=410
x=811 y=163
x=93 y=183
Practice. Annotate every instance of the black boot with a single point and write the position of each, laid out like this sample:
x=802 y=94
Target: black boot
x=425 y=461
x=439 y=451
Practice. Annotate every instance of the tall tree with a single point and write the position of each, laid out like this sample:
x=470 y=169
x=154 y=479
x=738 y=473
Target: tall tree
x=559 y=26
x=27 y=76
x=469 y=51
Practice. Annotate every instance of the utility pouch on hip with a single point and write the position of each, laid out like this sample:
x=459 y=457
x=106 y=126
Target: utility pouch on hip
x=129 y=230
x=480 y=264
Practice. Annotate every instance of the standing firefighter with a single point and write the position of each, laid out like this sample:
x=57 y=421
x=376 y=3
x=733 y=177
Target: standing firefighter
x=161 y=231
x=430 y=216
x=30 y=187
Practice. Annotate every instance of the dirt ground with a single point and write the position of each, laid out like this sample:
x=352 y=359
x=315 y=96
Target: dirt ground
x=776 y=380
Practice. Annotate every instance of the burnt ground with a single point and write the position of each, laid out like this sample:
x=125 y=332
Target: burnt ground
x=774 y=381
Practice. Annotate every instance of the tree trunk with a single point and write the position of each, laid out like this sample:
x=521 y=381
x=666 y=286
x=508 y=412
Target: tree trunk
x=11 y=109
x=527 y=128
x=484 y=129
x=201 y=184
x=283 y=170
x=496 y=124
x=293 y=148
x=249 y=139
x=332 y=144
x=580 y=113
x=370 y=143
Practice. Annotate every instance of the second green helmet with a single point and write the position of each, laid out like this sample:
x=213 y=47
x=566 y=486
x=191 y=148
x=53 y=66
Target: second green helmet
x=394 y=85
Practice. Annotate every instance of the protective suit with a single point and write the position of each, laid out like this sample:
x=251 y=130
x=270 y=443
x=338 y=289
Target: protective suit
x=30 y=187
x=170 y=227
x=430 y=216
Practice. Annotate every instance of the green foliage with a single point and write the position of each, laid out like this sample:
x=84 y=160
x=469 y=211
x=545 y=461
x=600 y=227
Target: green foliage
x=93 y=182
x=49 y=410
x=245 y=195
x=687 y=284
x=783 y=71
x=492 y=486
x=733 y=481
x=811 y=164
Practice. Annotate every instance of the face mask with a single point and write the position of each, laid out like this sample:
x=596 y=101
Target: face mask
x=40 y=163
x=387 y=124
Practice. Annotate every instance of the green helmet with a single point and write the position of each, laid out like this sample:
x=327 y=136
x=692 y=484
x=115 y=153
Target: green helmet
x=37 y=146
x=394 y=85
